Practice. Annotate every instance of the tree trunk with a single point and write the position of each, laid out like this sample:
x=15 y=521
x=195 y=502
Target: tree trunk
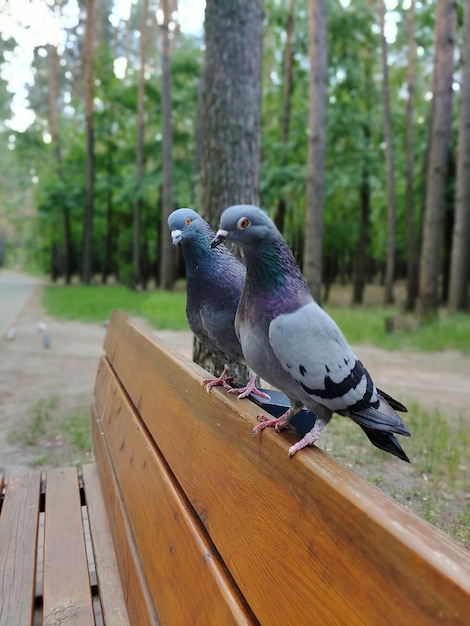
x=198 y=140
x=362 y=244
x=231 y=118
x=108 y=261
x=231 y=125
x=53 y=71
x=279 y=217
x=391 y=211
x=447 y=229
x=411 y=283
x=436 y=176
x=139 y=171
x=87 y=265
x=313 y=249
x=167 y=259
x=460 y=259
x=363 y=239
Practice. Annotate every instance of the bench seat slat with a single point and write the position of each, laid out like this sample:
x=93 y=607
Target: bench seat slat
x=186 y=579
x=110 y=591
x=19 y=520
x=67 y=590
x=139 y=603
x=344 y=551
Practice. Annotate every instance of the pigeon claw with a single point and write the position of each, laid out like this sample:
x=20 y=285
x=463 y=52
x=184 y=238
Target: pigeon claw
x=222 y=381
x=308 y=440
x=279 y=423
x=244 y=392
x=250 y=388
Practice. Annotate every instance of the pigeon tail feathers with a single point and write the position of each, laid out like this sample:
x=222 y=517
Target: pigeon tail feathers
x=385 y=441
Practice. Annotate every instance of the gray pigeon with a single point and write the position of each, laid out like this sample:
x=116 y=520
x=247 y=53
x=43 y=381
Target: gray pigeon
x=214 y=284
x=294 y=345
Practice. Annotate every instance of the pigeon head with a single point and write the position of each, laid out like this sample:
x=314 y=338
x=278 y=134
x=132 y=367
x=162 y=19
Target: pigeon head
x=184 y=223
x=272 y=272
x=243 y=224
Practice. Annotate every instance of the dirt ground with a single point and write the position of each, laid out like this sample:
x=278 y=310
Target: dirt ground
x=40 y=387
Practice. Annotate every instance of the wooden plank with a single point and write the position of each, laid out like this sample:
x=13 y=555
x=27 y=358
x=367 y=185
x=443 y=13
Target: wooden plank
x=113 y=605
x=18 y=541
x=331 y=547
x=139 y=603
x=67 y=593
x=188 y=583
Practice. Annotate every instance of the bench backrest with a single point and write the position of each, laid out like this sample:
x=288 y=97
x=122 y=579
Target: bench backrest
x=227 y=529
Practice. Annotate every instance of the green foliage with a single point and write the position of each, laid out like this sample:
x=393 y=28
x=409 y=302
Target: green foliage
x=61 y=187
x=355 y=146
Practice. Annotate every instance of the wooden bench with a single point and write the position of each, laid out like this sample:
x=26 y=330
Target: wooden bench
x=194 y=521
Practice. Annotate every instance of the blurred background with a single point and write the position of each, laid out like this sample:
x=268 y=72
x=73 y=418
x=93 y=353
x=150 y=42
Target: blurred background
x=346 y=121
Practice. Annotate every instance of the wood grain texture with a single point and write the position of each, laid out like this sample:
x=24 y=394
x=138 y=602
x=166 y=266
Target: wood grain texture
x=187 y=581
x=67 y=594
x=140 y=607
x=113 y=605
x=18 y=542
x=304 y=538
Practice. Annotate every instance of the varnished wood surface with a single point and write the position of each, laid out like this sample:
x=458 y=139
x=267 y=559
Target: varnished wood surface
x=18 y=539
x=61 y=573
x=66 y=580
x=305 y=539
x=187 y=581
x=113 y=606
x=140 y=606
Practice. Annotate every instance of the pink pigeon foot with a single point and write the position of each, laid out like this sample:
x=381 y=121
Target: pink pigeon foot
x=307 y=440
x=250 y=388
x=310 y=437
x=223 y=380
x=279 y=423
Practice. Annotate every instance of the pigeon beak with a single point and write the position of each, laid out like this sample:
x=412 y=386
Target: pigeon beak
x=220 y=236
x=176 y=236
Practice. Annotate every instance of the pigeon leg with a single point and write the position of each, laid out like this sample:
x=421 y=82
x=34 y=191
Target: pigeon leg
x=310 y=437
x=250 y=388
x=223 y=380
x=279 y=423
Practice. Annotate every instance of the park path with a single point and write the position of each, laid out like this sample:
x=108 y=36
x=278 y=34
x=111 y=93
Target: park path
x=30 y=374
x=36 y=382
x=15 y=290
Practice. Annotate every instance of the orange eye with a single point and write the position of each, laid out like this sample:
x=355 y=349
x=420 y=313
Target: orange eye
x=187 y=221
x=243 y=223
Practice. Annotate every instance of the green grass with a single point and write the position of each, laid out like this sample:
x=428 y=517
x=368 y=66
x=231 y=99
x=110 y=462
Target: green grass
x=47 y=424
x=166 y=310
x=435 y=483
x=163 y=309
x=438 y=448
x=41 y=460
x=36 y=427
x=366 y=325
x=77 y=429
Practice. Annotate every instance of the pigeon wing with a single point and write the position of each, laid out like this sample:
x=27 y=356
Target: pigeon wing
x=312 y=349
x=218 y=328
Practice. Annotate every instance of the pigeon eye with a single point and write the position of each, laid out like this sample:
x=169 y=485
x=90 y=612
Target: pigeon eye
x=243 y=223
x=187 y=221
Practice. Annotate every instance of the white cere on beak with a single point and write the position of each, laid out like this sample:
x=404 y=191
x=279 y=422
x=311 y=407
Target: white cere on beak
x=176 y=236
